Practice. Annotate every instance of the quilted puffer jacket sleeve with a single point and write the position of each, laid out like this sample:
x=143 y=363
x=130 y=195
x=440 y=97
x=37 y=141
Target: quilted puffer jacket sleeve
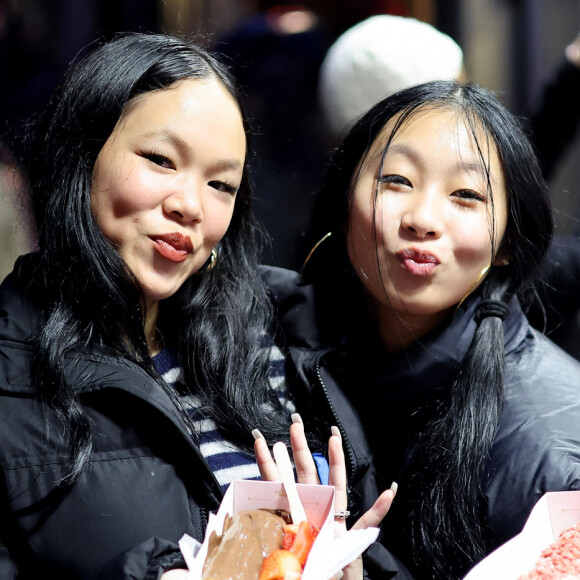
x=537 y=447
x=146 y=561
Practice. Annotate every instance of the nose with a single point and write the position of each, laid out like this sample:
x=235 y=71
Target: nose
x=185 y=203
x=422 y=217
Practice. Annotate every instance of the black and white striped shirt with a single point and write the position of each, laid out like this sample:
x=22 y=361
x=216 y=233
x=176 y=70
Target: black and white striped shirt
x=225 y=458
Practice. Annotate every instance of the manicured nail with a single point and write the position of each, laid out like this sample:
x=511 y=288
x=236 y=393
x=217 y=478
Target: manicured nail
x=394 y=488
x=257 y=434
x=335 y=431
x=296 y=418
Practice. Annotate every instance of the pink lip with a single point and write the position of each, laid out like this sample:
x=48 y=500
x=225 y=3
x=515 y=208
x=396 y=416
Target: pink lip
x=418 y=262
x=174 y=246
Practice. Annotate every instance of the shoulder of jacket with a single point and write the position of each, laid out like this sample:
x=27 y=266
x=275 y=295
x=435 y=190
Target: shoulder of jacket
x=536 y=358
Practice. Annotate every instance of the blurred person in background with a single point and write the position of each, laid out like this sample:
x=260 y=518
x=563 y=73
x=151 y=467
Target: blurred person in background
x=275 y=56
x=376 y=58
x=17 y=229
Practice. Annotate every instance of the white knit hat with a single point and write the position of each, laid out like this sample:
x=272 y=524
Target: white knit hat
x=377 y=57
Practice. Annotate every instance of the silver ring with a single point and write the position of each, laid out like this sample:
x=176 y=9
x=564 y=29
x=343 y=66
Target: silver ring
x=341 y=514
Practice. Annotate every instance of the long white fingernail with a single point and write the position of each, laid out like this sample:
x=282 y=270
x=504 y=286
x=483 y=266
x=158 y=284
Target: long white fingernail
x=335 y=431
x=257 y=434
x=296 y=418
x=394 y=488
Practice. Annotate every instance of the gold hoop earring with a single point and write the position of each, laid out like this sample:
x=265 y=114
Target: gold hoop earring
x=316 y=246
x=213 y=256
x=481 y=276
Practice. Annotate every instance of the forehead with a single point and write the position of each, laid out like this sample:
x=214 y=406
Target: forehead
x=205 y=98
x=443 y=126
x=194 y=113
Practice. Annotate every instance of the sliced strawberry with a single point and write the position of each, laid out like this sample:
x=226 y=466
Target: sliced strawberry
x=303 y=541
x=278 y=563
x=289 y=535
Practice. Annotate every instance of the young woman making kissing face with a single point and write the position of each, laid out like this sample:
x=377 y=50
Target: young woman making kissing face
x=438 y=221
x=165 y=182
x=428 y=235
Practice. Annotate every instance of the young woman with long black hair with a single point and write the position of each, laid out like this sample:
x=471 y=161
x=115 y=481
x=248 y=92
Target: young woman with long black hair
x=433 y=223
x=134 y=352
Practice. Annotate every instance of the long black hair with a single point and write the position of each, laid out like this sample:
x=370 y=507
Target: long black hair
x=440 y=498
x=215 y=322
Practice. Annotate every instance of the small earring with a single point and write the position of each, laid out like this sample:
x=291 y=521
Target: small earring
x=212 y=260
x=505 y=262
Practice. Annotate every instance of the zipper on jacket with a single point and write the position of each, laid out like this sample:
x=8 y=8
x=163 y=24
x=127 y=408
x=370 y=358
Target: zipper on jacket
x=347 y=448
x=204 y=514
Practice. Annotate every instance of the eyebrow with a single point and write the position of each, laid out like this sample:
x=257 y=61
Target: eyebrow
x=467 y=166
x=174 y=139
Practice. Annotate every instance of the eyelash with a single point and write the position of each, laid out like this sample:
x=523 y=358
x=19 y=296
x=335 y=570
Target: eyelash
x=228 y=186
x=469 y=195
x=398 y=179
x=466 y=195
x=157 y=158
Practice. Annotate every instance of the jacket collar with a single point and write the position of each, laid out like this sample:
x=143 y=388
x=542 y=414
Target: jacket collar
x=425 y=368
x=333 y=313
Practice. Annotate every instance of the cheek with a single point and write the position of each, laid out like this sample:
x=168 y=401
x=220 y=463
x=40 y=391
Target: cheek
x=219 y=225
x=130 y=195
x=360 y=230
x=120 y=189
x=473 y=243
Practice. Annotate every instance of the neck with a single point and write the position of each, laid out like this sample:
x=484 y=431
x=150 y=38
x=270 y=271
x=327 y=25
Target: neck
x=151 y=333
x=399 y=330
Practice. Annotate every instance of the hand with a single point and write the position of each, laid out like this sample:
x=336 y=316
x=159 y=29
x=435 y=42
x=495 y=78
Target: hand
x=175 y=575
x=304 y=464
x=572 y=51
x=306 y=473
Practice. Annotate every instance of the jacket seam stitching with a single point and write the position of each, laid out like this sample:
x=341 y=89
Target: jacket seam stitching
x=90 y=461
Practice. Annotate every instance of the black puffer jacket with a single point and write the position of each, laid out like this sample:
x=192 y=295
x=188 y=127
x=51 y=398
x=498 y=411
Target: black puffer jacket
x=145 y=477
x=537 y=446
x=146 y=484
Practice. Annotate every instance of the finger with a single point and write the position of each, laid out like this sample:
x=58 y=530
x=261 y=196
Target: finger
x=337 y=477
x=373 y=517
x=354 y=571
x=337 y=469
x=303 y=462
x=175 y=575
x=266 y=464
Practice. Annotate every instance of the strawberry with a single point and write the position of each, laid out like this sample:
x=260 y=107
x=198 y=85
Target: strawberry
x=303 y=541
x=289 y=535
x=278 y=563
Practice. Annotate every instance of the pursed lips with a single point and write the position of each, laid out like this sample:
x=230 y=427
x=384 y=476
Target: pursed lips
x=419 y=256
x=180 y=242
x=174 y=247
x=418 y=262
